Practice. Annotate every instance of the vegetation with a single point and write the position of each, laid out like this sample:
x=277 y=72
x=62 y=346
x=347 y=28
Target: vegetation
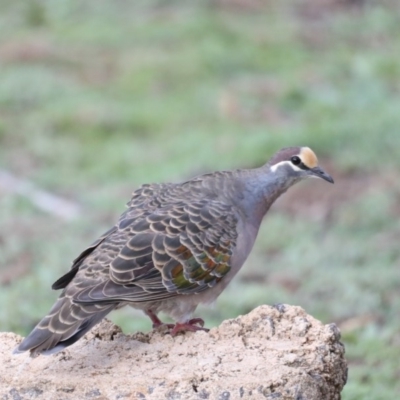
x=98 y=97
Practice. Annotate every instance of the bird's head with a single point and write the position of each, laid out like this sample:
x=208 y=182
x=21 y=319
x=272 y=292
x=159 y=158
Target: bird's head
x=297 y=163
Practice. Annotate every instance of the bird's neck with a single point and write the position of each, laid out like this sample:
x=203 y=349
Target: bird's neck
x=261 y=189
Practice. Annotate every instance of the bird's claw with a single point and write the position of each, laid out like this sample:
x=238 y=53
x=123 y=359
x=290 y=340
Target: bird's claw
x=193 y=325
x=196 y=321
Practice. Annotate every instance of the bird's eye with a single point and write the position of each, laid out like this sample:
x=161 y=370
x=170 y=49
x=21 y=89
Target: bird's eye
x=295 y=160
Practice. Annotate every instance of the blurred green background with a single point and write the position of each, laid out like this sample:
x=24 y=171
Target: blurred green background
x=98 y=97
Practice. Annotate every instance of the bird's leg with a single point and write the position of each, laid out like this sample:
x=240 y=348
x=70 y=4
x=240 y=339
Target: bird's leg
x=193 y=325
x=156 y=321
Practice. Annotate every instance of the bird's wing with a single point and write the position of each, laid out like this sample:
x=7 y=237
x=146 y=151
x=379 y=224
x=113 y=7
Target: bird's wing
x=180 y=247
x=144 y=198
x=67 y=278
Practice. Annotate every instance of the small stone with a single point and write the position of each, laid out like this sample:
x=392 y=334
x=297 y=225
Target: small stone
x=15 y=395
x=93 y=393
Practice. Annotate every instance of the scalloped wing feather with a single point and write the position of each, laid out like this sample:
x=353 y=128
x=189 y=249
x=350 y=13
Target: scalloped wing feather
x=172 y=248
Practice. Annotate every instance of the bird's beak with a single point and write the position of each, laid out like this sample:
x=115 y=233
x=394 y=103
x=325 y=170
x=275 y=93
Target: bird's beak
x=318 y=172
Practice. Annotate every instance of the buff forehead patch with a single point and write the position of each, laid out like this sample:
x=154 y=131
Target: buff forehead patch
x=308 y=157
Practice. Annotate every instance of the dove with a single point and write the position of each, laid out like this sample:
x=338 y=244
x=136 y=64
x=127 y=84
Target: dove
x=177 y=245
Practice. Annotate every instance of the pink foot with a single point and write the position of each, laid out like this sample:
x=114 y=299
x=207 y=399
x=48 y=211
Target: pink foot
x=193 y=325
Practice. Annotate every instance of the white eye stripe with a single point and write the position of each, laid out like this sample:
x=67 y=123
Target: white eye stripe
x=276 y=166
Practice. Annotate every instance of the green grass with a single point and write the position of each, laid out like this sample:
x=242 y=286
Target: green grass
x=99 y=97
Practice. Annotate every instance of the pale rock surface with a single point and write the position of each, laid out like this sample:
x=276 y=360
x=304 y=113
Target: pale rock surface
x=271 y=353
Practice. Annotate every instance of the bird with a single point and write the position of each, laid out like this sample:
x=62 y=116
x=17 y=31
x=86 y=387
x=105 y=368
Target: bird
x=177 y=245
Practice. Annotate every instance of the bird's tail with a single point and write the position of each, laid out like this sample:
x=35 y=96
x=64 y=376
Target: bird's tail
x=64 y=325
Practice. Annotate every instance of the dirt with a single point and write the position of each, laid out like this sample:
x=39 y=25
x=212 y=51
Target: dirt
x=271 y=353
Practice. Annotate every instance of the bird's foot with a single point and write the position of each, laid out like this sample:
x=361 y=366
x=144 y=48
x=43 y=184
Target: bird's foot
x=193 y=325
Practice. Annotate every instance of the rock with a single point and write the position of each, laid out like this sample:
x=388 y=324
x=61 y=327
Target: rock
x=271 y=353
